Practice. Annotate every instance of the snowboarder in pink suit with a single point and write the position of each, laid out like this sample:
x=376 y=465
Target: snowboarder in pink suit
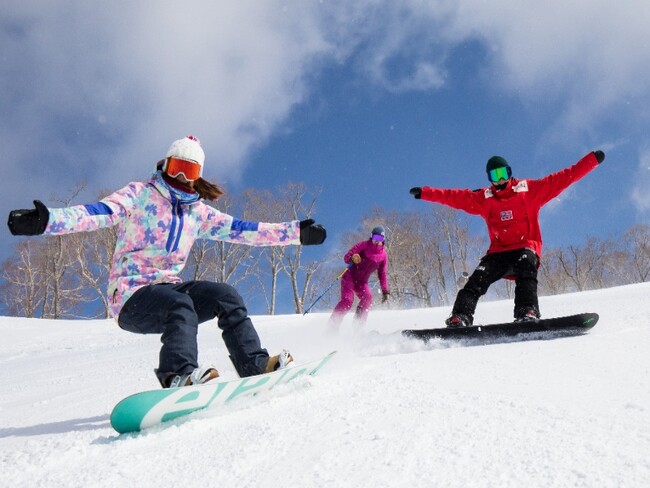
x=364 y=258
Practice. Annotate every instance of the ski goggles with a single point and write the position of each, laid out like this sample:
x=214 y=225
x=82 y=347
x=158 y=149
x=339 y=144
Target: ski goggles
x=189 y=169
x=497 y=174
x=377 y=238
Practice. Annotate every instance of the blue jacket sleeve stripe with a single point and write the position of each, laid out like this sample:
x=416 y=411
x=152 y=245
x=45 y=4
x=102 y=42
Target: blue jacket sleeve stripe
x=239 y=226
x=98 y=208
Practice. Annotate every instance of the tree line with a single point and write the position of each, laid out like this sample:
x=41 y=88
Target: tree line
x=430 y=253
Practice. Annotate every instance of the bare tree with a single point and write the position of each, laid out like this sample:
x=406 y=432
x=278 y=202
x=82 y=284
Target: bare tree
x=298 y=203
x=265 y=206
x=583 y=264
x=218 y=260
x=325 y=283
x=199 y=265
x=636 y=245
x=63 y=287
x=427 y=251
x=409 y=243
x=414 y=270
x=22 y=289
x=459 y=247
x=553 y=280
x=93 y=252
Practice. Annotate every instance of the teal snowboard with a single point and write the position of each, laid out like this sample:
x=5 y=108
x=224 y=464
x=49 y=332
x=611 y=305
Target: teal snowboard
x=149 y=408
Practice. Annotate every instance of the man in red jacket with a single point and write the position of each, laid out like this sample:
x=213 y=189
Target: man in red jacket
x=510 y=207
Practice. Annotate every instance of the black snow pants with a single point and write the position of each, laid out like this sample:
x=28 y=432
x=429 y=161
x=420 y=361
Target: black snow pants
x=520 y=264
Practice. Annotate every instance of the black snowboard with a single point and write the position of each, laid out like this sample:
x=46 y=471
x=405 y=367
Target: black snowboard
x=542 y=328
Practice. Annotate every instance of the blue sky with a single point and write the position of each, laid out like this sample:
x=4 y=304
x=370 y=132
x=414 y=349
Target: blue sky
x=363 y=99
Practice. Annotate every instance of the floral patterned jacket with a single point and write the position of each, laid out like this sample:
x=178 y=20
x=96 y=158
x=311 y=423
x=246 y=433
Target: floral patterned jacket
x=155 y=232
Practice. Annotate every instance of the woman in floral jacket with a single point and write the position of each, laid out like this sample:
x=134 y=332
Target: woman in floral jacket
x=157 y=223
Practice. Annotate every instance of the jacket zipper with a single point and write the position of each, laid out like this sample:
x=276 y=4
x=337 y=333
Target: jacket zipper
x=176 y=226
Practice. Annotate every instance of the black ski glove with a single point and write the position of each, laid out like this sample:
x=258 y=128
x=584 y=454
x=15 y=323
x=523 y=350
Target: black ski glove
x=29 y=222
x=600 y=156
x=311 y=233
x=384 y=296
x=416 y=192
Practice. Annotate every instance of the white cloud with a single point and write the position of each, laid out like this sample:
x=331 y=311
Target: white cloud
x=112 y=83
x=590 y=55
x=149 y=73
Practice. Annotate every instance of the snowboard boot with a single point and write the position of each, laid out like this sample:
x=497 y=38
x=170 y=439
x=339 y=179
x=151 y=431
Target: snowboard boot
x=197 y=377
x=526 y=314
x=459 y=320
x=280 y=361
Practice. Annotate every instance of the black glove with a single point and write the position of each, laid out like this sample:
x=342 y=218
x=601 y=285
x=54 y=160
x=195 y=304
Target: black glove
x=416 y=192
x=311 y=233
x=600 y=156
x=384 y=296
x=29 y=222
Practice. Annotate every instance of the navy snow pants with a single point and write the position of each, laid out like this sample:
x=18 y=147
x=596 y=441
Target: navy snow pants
x=176 y=310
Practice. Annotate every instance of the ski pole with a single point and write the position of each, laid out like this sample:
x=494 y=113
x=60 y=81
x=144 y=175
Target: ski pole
x=323 y=294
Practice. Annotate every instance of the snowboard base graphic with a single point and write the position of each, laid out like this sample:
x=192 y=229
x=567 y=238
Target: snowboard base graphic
x=149 y=408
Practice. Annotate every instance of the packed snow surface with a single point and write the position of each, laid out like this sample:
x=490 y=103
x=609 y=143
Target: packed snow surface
x=385 y=412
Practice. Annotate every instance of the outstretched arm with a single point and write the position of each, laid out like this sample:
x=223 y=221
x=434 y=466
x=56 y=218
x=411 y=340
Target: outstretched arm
x=223 y=227
x=78 y=218
x=466 y=200
x=552 y=185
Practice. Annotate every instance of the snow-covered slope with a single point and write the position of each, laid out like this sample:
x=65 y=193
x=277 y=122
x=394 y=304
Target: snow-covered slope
x=386 y=412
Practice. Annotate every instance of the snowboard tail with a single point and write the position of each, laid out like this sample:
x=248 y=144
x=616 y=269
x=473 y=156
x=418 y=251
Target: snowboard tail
x=149 y=408
x=553 y=327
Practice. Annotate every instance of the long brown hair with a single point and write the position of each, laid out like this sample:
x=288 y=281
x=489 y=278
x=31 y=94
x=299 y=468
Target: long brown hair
x=205 y=189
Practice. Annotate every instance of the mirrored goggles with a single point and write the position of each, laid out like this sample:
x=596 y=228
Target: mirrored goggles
x=189 y=169
x=497 y=174
x=377 y=238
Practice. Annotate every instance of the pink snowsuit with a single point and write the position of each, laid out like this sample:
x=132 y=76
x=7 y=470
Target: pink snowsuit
x=355 y=279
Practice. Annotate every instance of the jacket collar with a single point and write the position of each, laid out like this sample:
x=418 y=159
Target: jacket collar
x=170 y=193
x=511 y=187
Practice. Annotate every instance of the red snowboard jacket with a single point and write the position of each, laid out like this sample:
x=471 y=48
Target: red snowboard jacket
x=512 y=214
